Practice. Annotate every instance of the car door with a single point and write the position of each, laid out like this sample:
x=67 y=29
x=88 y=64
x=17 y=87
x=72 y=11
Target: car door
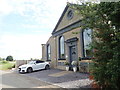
x=34 y=66
x=40 y=64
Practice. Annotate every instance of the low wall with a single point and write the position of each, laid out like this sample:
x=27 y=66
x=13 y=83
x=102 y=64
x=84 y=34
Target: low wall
x=21 y=62
x=85 y=65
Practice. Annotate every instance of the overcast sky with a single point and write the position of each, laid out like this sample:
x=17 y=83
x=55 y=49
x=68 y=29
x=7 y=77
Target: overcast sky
x=26 y=24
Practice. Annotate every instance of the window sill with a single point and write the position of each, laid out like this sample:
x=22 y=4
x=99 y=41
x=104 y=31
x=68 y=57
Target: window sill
x=61 y=59
x=48 y=60
x=86 y=58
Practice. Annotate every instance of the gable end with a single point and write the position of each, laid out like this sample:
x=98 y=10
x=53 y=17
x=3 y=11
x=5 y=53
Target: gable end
x=60 y=18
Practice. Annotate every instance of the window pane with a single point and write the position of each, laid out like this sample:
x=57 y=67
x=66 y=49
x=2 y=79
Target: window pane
x=62 y=52
x=87 y=41
x=48 y=52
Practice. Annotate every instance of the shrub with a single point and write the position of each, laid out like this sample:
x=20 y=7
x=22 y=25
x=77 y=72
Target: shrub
x=13 y=66
x=67 y=63
x=4 y=62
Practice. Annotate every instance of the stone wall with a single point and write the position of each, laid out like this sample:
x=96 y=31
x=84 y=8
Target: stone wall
x=21 y=62
x=53 y=58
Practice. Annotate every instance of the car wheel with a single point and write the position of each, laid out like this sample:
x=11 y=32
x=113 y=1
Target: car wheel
x=29 y=70
x=47 y=67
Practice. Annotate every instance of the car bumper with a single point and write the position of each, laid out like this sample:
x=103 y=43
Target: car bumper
x=22 y=70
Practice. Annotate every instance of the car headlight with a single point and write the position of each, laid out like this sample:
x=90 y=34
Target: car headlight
x=23 y=67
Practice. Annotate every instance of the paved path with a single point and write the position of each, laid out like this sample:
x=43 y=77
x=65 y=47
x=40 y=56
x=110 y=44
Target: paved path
x=64 y=79
x=10 y=79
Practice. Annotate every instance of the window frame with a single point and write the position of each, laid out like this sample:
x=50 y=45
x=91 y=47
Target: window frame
x=59 y=43
x=48 y=52
x=70 y=14
x=83 y=42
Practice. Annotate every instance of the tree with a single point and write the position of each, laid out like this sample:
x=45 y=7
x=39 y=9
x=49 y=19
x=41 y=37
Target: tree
x=1 y=59
x=9 y=58
x=104 y=19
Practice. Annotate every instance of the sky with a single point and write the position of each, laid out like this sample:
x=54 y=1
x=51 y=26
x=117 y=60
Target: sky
x=26 y=24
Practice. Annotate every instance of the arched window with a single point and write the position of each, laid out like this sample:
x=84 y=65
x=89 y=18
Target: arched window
x=61 y=48
x=48 y=52
x=87 y=40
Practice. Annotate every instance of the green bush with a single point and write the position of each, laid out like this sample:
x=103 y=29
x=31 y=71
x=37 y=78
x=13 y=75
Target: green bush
x=13 y=66
x=67 y=63
x=4 y=62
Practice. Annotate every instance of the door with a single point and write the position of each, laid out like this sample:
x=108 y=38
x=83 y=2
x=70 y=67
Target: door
x=73 y=54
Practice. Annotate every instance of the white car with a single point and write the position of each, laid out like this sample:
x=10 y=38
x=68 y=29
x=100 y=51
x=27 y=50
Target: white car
x=33 y=66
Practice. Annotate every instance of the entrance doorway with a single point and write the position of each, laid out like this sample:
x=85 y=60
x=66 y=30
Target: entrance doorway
x=72 y=53
x=72 y=50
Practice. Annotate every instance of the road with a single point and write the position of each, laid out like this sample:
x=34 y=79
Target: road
x=14 y=80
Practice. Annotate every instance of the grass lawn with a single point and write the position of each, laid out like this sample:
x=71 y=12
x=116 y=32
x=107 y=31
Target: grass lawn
x=5 y=65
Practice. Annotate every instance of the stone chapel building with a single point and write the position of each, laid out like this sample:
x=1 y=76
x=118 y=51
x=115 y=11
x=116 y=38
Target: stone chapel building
x=64 y=45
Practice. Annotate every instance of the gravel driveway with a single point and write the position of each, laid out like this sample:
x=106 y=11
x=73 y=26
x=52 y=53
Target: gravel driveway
x=65 y=79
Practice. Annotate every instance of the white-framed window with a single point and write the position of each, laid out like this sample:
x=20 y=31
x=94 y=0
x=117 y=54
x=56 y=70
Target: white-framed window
x=61 y=48
x=87 y=40
x=48 y=52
